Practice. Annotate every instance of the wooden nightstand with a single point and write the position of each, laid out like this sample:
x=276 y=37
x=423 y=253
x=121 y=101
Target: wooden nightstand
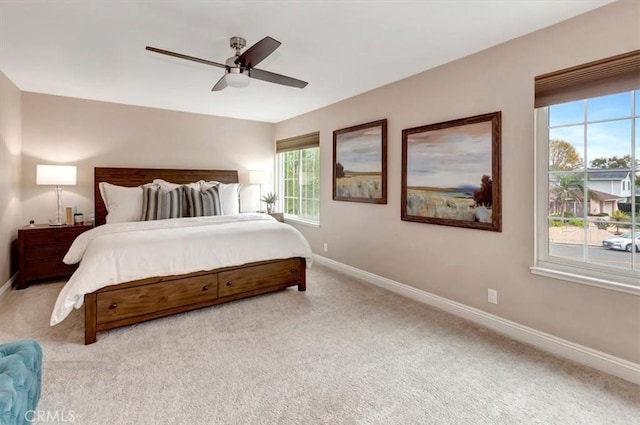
x=277 y=216
x=41 y=249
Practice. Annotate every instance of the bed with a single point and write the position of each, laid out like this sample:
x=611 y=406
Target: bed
x=143 y=299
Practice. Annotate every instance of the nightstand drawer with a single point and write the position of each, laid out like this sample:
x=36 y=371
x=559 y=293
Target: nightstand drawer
x=47 y=252
x=41 y=249
x=47 y=269
x=62 y=236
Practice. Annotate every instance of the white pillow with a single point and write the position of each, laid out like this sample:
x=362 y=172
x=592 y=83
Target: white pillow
x=123 y=203
x=229 y=198
x=207 y=185
x=167 y=186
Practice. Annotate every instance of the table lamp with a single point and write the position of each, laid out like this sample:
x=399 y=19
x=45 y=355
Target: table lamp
x=259 y=177
x=56 y=175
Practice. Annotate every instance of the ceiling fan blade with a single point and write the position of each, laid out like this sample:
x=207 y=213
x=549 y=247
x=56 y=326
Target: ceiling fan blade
x=181 y=56
x=272 y=77
x=257 y=53
x=221 y=84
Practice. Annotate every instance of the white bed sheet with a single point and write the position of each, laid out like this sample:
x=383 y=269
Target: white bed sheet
x=122 y=252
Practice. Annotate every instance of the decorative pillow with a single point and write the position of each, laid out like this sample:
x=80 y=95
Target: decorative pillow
x=167 y=186
x=229 y=198
x=123 y=203
x=203 y=203
x=159 y=204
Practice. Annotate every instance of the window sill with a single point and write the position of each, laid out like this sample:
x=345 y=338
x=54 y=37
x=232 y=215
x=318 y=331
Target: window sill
x=304 y=222
x=626 y=285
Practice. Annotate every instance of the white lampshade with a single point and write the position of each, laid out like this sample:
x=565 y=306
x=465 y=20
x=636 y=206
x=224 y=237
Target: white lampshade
x=237 y=79
x=258 y=177
x=56 y=175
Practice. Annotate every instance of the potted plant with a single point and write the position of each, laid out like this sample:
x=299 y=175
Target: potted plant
x=270 y=199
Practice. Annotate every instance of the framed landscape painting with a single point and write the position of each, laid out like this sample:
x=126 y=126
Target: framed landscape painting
x=360 y=163
x=451 y=173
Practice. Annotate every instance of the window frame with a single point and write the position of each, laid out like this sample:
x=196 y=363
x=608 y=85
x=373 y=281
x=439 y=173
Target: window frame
x=280 y=181
x=556 y=267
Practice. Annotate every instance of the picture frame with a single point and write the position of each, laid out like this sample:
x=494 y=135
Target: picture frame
x=451 y=173
x=360 y=163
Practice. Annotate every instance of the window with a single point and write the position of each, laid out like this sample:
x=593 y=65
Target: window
x=588 y=184
x=298 y=177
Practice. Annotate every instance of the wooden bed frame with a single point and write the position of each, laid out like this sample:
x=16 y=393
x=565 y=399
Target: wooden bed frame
x=137 y=301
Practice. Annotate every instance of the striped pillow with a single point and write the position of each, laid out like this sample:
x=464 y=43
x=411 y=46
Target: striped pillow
x=165 y=185
x=203 y=203
x=158 y=204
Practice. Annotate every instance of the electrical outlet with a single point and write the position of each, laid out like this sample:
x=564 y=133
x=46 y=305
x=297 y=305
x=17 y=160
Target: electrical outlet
x=326 y=247
x=492 y=296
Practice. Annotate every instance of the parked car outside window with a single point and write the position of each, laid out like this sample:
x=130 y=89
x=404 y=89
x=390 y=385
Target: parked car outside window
x=623 y=242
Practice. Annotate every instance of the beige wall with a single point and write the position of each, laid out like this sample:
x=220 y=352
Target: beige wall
x=88 y=133
x=460 y=264
x=10 y=151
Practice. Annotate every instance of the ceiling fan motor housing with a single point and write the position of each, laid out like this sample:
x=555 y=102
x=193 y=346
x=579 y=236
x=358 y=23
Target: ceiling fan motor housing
x=235 y=74
x=237 y=43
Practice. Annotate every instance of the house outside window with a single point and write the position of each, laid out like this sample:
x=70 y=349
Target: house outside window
x=298 y=178
x=588 y=188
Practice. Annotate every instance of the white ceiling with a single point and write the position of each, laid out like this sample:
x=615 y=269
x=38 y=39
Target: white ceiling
x=95 y=50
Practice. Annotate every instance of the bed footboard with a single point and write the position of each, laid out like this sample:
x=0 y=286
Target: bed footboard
x=133 y=302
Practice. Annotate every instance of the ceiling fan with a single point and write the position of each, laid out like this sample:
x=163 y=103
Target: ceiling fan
x=240 y=67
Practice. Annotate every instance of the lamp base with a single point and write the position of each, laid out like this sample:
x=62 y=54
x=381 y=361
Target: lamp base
x=55 y=222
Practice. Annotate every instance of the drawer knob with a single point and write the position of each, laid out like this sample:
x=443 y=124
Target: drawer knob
x=205 y=288
x=113 y=306
x=292 y=270
x=229 y=283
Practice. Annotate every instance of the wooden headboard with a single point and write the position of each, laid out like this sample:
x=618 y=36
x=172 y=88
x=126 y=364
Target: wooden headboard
x=131 y=177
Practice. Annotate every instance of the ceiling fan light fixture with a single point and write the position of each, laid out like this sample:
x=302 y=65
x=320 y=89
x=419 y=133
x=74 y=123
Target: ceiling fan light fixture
x=237 y=79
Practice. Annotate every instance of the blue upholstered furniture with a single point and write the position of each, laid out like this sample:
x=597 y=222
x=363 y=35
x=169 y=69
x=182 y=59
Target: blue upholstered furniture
x=20 y=377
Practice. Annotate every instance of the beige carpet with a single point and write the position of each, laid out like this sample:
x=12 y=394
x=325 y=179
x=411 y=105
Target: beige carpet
x=341 y=353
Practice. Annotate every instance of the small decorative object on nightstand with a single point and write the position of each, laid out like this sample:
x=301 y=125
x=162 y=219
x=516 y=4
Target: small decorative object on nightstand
x=270 y=199
x=277 y=216
x=78 y=218
x=41 y=249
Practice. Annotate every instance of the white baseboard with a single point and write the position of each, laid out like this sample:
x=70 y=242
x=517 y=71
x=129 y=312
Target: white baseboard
x=4 y=289
x=596 y=359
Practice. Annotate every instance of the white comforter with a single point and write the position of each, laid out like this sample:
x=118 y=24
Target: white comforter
x=122 y=252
